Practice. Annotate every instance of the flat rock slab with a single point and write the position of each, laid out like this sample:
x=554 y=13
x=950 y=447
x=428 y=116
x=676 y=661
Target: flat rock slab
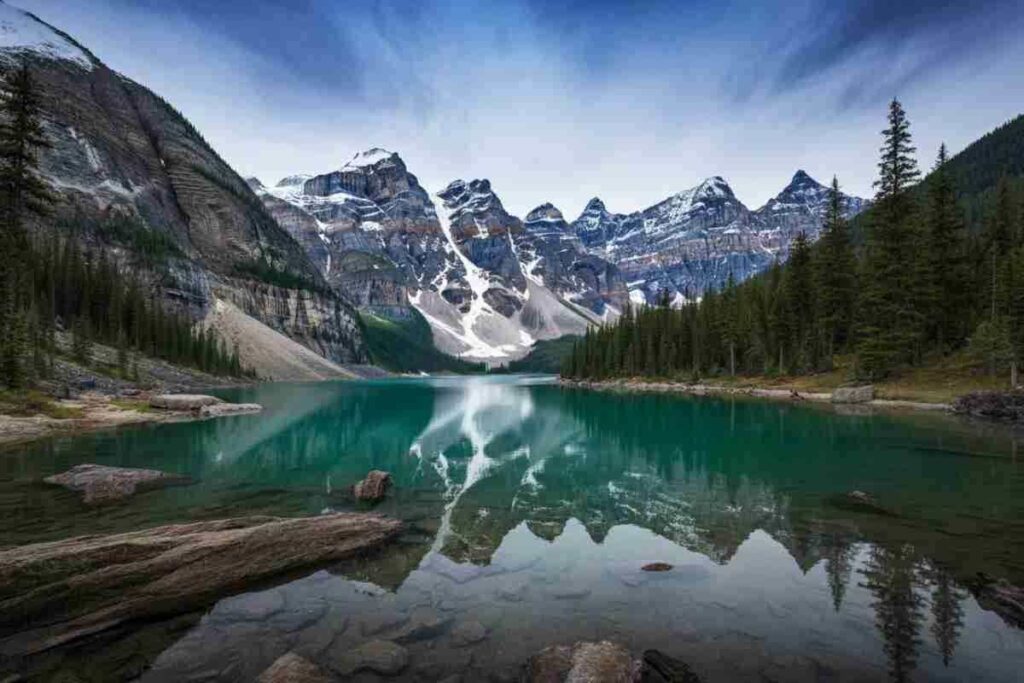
x=291 y=668
x=224 y=409
x=54 y=593
x=862 y=394
x=182 y=401
x=102 y=484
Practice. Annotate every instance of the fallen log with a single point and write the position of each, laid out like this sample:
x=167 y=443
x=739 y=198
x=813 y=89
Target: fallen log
x=54 y=593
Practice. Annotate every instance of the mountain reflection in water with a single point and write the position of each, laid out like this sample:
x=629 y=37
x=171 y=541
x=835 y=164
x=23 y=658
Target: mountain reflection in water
x=531 y=509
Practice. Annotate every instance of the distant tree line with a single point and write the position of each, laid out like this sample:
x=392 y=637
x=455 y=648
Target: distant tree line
x=47 y=282
x=908 y=280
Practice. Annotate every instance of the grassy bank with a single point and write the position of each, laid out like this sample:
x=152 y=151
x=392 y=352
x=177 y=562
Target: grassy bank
x=939 y=382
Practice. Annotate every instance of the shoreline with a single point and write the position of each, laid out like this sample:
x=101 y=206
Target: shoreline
x=98 y=412
x=789 y=395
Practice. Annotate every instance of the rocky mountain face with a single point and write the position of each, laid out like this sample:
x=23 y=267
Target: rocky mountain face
x=696 y=239
x=487 y=284
x=553 y=254
x=130 y=175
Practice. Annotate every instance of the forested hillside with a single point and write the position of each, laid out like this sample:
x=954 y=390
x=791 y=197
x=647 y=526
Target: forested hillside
x=934 y=268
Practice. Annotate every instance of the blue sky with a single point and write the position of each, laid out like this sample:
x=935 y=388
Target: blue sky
x=563 y=100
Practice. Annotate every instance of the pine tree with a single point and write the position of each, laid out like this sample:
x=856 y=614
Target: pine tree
x=798 y=292
x=948 y=250
x=890 y=324
x=22 y=194
x=836 y=272
x=81 y=345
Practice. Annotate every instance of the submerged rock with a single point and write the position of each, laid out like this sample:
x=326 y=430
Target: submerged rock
x=862 y=394
x=182 y=401
x=373 y=487
x=660 y=668
x=54 y=593
x=102 y=484
x=858 y=501
x=291 y=668
x=603 y=662
x=379 y=656
x=468 y=632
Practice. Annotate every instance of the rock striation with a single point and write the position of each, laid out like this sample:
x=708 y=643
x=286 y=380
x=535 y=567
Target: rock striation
x=698 y=238
x=133 y=177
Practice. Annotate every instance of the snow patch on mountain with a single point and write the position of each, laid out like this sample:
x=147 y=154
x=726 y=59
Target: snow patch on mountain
x=370 y=157
x=21 y=32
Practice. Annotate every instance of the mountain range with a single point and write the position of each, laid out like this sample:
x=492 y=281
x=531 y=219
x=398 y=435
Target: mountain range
x=491 y=284
x=290 y=273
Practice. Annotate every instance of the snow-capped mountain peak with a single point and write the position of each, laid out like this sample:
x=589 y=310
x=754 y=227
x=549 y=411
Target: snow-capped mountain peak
x=547 y=214
x=289 y=181
x=370 y=157
x=21 y=33
x=714 y=187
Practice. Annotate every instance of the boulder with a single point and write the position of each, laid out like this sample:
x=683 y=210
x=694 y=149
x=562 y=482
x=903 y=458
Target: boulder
x=379 y=656
x=603 y=662
x=291 y=668
x=660 y=668
x=373 y=487
x=861 y=394
x=1005 y=406
x=222 y=409
x=57 y=592
x=182 y=401
x=102 y=484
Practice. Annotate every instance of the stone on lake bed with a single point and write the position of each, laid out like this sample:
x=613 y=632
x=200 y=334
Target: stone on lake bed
x=656 y=567
x=182 y=401
x=379 y=656
x=373 y=487
x=468 y=632
x=100 y=483
x=605 y=661
x=291 y=668
x=660 y=668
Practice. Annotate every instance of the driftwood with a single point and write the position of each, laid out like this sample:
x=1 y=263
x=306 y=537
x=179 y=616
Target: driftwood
x=53 y=593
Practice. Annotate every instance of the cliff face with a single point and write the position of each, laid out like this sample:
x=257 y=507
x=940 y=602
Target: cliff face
x=458 y=257
x=696 y=239
x=132 y=176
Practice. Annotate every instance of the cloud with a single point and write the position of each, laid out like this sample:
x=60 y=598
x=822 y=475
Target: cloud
x=562 y=100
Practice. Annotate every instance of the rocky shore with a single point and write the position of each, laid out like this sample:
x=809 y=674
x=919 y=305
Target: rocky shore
x=93 y=410
x=844 y=396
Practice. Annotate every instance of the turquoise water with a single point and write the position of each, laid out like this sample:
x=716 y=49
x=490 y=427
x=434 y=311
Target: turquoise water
x=531 y=509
